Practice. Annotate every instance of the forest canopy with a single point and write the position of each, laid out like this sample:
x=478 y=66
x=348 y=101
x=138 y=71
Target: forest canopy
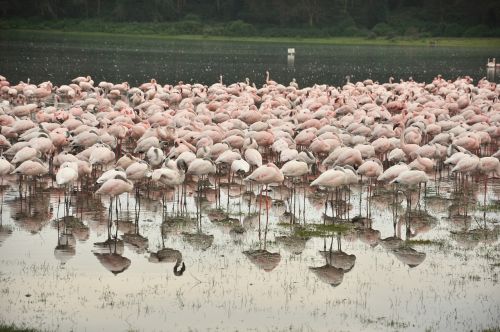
x=291 y=18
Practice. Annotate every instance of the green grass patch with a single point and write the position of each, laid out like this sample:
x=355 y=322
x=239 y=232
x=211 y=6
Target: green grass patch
x=493 y=329
x=178 y=219
x=320 y=230
x=494 y=206
x=11 y=33
x=72 y=222
x=439 y=243
x=13 y=328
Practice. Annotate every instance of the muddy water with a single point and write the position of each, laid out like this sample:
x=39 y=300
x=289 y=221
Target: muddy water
x=62 y=269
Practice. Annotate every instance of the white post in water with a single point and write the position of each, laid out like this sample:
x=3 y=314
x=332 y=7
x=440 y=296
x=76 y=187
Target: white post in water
x=291 y=57
x=491 y=67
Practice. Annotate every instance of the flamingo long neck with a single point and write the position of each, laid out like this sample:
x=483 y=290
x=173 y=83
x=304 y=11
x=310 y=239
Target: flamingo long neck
x=402 y=137
x=177 y=271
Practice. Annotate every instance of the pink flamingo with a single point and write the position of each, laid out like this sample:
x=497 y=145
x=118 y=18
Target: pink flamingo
x=265 y=175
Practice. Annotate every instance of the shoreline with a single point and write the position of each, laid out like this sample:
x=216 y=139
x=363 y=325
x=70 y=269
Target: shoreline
x=10 y=34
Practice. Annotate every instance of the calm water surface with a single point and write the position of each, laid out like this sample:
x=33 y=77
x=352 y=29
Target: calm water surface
x=58 y=278
x=117 y=59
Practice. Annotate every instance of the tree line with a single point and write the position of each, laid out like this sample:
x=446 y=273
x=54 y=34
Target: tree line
x=252 y=17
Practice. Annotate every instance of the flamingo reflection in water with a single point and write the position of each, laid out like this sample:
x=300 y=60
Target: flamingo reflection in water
x=113 y=262
x=265 y=175
x=261 y=257
x=5 y=169
x=337 y=263
x=66 y=244
x=113 y=188
x=109 y=253
x=169 y=255
x=395 y=245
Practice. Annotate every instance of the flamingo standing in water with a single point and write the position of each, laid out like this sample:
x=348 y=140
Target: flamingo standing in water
x=66 y=176
x=265 y=175
x=170 y=176
x=489 y=166
x=331 y=179
x=410 y=179
x=402 y=121
x=294 y=169
x=113 y=188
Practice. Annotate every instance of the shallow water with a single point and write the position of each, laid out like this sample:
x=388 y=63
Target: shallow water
x=59 y=283
x=117 y=59
x=361 y=276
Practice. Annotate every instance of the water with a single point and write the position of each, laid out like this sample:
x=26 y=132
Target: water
x=53 y=276
x=53 y=279
x=116 y=59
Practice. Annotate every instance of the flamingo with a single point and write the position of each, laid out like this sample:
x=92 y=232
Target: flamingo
x=113 y=188
x=294 y=169
x=410 y=179
x=489 y=166
x=66 y=176
x=265 y=175
x=331 y=179
x=170 y=175
x=111 y=174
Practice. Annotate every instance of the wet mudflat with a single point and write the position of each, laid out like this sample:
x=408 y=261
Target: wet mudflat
x=383 y=269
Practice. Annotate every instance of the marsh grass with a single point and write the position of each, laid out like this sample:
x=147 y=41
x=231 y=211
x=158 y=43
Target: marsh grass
x=494 y=206
x=320 y=230
x=13 y=328
x=139 y=34
x=439 y=243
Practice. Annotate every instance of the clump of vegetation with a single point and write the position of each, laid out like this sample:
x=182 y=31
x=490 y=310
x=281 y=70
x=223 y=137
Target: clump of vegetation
x=303 y=19
x=494 y=206
x=321 y=230
x=13 y=328
x=439 y=243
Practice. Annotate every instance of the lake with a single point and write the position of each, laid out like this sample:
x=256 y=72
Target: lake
x=116 y=59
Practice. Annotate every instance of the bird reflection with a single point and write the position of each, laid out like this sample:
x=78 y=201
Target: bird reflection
x=109 y=253
x=5 y=232
x=33 y=214
x=337 y=263
x=417 y=222
x=409 y=256
x=338 y=258
x=65 y=248
x=293 y=244
x=471 y=238
x=329 y=274
x=365 y=232
x=113 y=262
x=168 y=255
x=400 y=249
x=263 y=259
x=137 y=242
x=199 y=240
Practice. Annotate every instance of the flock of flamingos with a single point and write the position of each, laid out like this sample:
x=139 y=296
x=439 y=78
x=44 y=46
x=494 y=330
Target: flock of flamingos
x=400 y=135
